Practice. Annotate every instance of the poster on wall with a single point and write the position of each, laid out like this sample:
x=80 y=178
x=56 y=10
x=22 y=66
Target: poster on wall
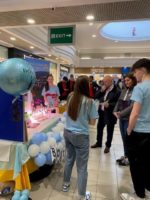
x=11 y=118
x=42 y=69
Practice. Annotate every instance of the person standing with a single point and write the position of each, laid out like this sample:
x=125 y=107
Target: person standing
x=63 y=88
x=108 y=97
x=71 y=83
x=138 y=131
x=51 y=92
x=81 y=111
x=122 y=111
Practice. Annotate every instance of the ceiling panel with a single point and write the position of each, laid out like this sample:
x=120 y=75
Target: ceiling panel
x=103 y=12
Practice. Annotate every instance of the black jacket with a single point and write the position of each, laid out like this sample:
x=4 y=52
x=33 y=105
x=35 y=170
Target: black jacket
x=112 y=99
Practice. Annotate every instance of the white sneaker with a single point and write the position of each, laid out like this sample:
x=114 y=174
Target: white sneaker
x=126 y=196
x=147 y=194
x=88 y=195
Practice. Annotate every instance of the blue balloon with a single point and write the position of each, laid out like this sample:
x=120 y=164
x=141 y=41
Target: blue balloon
x=57 y=137
x=37 y=138
x=16 y=76
x=45 y=137
x=49 y=158
x=40 y=159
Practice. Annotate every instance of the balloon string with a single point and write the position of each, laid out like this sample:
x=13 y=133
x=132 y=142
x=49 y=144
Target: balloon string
x=15 y=99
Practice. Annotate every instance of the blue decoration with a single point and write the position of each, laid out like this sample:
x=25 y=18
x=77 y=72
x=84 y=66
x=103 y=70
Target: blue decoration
x=40 y=160
x=45 y=137
x=25 y=192
x=16 y=76
x=24 y=197
x=57 y=137
x=37 y=138
x=49 y=160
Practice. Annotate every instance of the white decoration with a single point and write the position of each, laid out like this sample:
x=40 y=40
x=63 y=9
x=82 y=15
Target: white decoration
x=44 y=147
x=33 y=150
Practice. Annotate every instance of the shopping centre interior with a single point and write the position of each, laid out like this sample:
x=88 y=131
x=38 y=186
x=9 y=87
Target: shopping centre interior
x=107 y=37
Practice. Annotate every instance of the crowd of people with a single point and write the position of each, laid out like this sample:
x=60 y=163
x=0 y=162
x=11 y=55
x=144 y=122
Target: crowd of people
x=128 y=103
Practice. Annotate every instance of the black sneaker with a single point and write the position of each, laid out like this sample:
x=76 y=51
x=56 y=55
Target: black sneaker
x=124 y=162
x=120 y=159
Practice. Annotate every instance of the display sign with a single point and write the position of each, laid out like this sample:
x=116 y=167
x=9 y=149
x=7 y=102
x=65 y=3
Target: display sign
x=61 y=35
x=11 y=118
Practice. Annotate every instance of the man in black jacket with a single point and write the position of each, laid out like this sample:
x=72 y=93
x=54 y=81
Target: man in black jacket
x=108 y=97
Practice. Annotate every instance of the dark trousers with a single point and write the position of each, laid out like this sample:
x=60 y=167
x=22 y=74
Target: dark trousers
x=123 y=125
x=100 y=128
x=139 y=159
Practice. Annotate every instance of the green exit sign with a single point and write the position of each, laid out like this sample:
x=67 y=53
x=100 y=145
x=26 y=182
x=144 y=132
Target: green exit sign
x=61 y=35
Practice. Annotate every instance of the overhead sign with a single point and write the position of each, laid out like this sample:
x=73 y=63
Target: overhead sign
x=61 y=35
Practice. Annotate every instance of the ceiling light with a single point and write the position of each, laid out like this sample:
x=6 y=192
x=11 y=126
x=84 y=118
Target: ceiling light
x=91 y=24
x=93 y=36
x=90 y=17
x=49 y=55
x=56 y=58
x=31 y=21
x=13 y=38
x=31 y=47
x=85 y=58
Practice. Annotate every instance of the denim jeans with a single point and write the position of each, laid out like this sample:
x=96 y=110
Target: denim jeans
x=77 y=146
x=123 y=124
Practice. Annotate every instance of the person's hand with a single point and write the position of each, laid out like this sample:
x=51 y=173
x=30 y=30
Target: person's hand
x=103 y=88
x=106 y=104
x=115 y=114
x=129 y=131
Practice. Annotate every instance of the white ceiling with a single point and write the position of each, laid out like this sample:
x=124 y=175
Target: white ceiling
x=97 y=48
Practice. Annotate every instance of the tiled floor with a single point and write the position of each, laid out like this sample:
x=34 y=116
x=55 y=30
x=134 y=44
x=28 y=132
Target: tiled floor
x=106 y=180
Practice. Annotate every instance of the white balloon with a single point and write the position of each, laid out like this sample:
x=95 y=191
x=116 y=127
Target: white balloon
x=60 y=146
x=50 y=133
x=44 y=147
x=33 y=150
x=51 y=142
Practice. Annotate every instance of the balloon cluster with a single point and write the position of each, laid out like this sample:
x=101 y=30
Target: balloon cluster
x=21 y=195
x=16 y=76
x=43 y=147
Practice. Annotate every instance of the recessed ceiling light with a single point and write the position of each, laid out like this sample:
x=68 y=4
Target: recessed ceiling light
x=91 y=24
x=49 y=55
x=85 y=58
x=93 y=36
x=13 y=38
x=31 y=47
x=31 y=21
x=56 y=58
x=90 y=17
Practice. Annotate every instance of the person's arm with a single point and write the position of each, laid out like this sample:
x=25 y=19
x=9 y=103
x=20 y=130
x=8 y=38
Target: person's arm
x=133 y=117
x=126 y=111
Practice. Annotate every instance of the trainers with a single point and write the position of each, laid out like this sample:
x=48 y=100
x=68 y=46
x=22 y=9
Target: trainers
x=66 y=187
x=124 y=162
x=126 y=196
x=88 y=195
x=147 y=194
x=120 y=159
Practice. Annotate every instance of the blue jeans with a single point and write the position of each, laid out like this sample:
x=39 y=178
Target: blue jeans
x=123 y=124
x=77 y=146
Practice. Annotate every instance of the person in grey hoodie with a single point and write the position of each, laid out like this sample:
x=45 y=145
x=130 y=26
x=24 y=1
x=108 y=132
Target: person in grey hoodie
x=122 y=111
